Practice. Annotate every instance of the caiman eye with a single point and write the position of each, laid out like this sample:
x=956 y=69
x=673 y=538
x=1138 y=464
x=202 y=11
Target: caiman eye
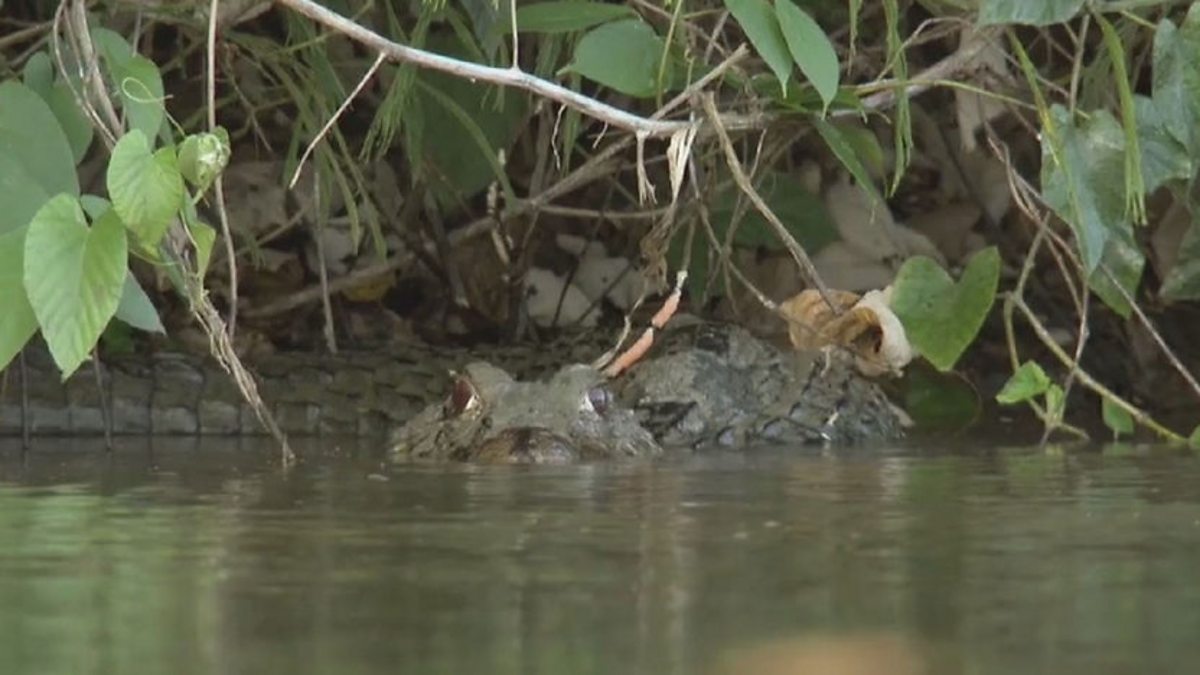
x=600 y=398
x=462 y=398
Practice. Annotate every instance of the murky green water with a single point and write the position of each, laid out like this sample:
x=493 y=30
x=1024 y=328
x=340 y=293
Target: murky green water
x=206 y=558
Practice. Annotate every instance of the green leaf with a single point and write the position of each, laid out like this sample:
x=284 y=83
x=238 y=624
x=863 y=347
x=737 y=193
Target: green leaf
x=1116 y=418
x=35 y=157
x=205 y=236
x=74 y=276
x=39 y=76
x=146 y=189
x=203 y=156
x=1081 y=180
x=944 y=401
x=1029 y=382
x=455 y=128
x=1125 y=261
x=1194 y=439
x=564 y=17
x=1176 y=83
x=19 y=322
x=802 y=212
x=845 y=152
x=624 y=56
x=1183 y=280
x=1164 y=158
x=38 y=73
x=1056 y=403
x=1027 y=12
x=757 y=19
x=94 y=206
x=136 y=309
x=810 y=48
x=941 y=317
x=136 y=80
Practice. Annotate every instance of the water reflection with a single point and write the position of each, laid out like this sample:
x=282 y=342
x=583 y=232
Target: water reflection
x=206 y=557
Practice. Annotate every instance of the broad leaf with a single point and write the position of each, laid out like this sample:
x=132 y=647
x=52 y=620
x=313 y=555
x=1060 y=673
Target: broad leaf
x=1029 y=382
x=1082 y=180
x=1028 y=12
x=623 y=55
x=455 y=128
x=810 y=48
x=1125 y=262
x=758 y=21
x=564 y=17
x=940 y=400
x=35 y=157
x=74 y=276
x=39 y=76
x=1164 y=157
x=136 y=80
x=19 y=323
x=942 y=317
x=146 y=189
x=136 y=309
x=802 y=212
x=1176 y=82
x=1183 y=280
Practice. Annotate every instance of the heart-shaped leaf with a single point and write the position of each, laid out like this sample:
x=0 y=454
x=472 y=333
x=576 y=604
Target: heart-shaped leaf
x=942 y=317
x=74 y=276
x=19 y=322
x=146 y=189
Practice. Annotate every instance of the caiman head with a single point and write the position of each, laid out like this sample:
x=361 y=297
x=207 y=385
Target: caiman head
x=490 y=417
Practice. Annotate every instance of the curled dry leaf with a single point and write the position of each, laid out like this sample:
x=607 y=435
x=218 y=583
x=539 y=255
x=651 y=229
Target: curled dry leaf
x=867 y=326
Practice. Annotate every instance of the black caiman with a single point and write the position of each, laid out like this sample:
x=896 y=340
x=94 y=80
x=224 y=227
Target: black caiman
x=702 y=384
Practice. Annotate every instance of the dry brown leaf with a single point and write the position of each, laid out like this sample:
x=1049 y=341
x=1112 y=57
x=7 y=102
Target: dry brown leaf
x=813 y=325
x=867 y=326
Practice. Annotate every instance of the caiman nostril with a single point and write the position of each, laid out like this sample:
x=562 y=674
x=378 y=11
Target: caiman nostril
x=527 y=445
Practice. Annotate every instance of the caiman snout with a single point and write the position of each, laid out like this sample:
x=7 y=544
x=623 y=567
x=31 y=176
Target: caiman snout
x=489 y=417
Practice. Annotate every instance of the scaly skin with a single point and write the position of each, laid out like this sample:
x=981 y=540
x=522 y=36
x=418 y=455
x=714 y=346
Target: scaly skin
x=715 y=384
x=705 y=384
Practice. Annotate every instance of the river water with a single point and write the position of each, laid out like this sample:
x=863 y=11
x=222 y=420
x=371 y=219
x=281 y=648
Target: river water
x=206 y=557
